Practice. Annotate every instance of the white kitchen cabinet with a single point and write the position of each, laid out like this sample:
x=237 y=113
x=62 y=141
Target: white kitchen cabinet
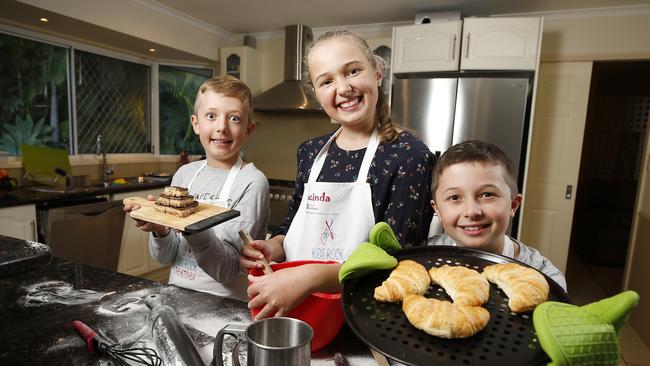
x=500 y=43
x=18 y=222
x=244 y=63
x=470 y=44
x=426 y=47
x=134 y=249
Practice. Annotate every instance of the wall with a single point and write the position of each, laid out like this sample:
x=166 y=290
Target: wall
x=615 y=37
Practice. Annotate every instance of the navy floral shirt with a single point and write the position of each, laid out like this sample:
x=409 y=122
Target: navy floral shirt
x=399 y=177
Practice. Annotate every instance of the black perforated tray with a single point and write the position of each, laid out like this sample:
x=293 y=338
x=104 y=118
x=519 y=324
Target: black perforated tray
x=508 y=338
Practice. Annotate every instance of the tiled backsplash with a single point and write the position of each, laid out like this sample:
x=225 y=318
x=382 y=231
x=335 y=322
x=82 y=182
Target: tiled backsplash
x=272 y=146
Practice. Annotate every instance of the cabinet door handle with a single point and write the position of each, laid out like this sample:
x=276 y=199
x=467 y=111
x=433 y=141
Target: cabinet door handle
x=32 y=223
x=453 y=49
x=569 y=192
x=467 y=47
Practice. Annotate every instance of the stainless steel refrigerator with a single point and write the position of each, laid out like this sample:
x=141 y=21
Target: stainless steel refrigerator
x=450 y=108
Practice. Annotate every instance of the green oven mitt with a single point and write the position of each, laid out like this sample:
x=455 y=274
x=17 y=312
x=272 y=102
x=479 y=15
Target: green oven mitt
x=382 y=235
x=366 y=258
x=587 y=335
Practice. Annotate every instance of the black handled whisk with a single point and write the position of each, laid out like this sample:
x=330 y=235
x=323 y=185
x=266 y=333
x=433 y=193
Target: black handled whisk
x=119 y=353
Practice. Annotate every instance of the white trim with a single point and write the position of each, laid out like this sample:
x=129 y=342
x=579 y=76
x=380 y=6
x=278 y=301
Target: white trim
x=586 y=13
x=184 y=17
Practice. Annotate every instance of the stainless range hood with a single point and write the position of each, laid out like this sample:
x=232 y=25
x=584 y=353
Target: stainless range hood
x=289 y=95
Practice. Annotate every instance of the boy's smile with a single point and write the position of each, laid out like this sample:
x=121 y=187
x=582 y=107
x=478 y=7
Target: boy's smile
x=475 y=205
x=222 y=125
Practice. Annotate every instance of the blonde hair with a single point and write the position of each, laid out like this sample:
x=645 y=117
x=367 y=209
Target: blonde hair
x=227 y=86
x=388 y=131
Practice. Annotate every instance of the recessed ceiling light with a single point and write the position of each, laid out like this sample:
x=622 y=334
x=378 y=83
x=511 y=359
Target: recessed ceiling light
x=44 y=20
x=152 y=50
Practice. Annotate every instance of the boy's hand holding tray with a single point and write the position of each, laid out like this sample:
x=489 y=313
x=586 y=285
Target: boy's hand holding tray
x=205 y=217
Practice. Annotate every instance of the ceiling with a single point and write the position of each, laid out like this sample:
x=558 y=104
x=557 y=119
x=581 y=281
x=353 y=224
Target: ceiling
x=254 y=16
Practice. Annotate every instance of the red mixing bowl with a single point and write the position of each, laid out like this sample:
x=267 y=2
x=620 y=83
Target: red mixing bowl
x=322 y=311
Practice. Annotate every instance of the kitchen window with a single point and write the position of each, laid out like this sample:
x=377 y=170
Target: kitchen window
x=112 y=100
x=177 y=91
x=34 y=102
x=64 y=95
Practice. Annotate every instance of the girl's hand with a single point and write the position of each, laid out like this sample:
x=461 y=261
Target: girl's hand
x=158 y=230
x=280 y=291
x=271 y=250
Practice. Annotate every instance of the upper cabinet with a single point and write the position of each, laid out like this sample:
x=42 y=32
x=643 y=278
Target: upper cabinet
x=500 y=43
x=470 y=44
x=242 y=62
x=426 y=47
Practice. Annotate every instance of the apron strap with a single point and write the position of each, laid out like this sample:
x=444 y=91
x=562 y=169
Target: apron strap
x=319 y=161
x=189 y=185
x=224 y=195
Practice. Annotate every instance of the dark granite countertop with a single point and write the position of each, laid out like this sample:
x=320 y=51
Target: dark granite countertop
x=36 y=332
x=27 y=195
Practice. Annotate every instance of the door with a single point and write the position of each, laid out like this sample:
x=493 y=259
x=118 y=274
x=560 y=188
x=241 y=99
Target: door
x=426 y=106
x=556 y=146
x=426 y=47
x=500 y=43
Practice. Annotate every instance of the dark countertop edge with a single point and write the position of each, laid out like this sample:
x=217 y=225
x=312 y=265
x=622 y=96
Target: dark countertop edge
x=25 y=196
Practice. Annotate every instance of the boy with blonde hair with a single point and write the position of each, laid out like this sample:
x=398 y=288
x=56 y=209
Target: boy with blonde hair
x=209 y=261
x=475 y=195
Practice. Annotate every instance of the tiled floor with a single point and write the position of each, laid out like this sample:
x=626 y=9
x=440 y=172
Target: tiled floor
x=588 y=283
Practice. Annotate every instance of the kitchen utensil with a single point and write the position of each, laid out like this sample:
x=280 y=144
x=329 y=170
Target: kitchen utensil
x=204 y=218
x=322 y=311
x=507 y=339
x=583 y=335
x=120 y=354
x=167 y=326
x=366 y=258
x=271 y=341
x=246 y=238
x=382 y=235
x=40 y=161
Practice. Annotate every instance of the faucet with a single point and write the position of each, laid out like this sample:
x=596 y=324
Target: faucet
x=99 y=151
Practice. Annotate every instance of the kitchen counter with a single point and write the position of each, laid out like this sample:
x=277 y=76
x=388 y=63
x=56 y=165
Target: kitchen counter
x=35 y=332
x=27 y=195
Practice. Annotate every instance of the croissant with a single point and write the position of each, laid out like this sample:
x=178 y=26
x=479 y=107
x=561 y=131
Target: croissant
x=525 y=287
x=465 y=286
x=409 y=277
x=444 y=319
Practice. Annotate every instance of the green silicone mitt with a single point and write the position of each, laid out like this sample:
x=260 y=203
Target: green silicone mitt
x=573 y=336
x=586 y=335
x=382 y=235
x=366 y=258
x=616 y=309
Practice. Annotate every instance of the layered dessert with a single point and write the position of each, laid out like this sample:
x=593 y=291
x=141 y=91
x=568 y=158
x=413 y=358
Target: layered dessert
x=176 y=201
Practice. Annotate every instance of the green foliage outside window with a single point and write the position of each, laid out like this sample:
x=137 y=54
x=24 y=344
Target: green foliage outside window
x=177 y=91
x=33 y=87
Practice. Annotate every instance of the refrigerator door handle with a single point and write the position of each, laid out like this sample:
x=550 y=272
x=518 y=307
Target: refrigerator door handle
x=453 y=48
x=467 y=46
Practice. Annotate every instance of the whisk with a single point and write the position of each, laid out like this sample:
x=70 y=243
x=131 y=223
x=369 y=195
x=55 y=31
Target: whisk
x=121 y=354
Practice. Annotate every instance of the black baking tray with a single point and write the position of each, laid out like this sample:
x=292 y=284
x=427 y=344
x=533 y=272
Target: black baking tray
x=508 y=338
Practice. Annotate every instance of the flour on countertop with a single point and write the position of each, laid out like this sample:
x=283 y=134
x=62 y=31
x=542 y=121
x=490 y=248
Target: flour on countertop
x=58 y=292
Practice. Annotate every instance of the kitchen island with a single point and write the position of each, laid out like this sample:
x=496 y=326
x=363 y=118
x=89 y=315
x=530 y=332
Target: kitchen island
x=36 y=319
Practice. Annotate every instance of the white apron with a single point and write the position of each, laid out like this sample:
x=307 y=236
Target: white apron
x=186 y=271
x=333 y=218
